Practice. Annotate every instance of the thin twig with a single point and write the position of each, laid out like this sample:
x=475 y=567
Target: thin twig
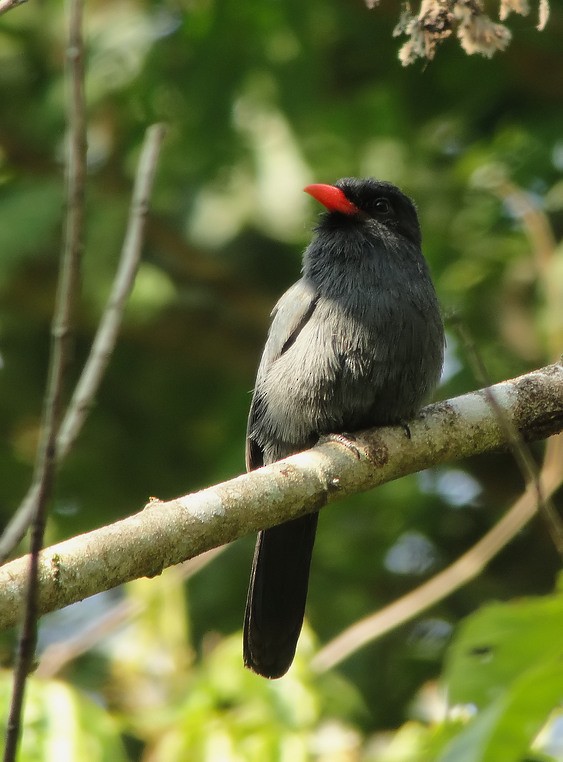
x=518 y=447
x=110 y=323
x=106 y=335
x=538 y=229
x=19 y=523
x=462 y=571
x=58 y=655
x=535 y=222
x=7 y=5
x=60 y=341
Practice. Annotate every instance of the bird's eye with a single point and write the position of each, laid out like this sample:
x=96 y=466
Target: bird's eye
x=382 y=206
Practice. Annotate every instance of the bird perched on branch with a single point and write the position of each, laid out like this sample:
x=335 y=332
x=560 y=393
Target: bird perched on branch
x=357 y=342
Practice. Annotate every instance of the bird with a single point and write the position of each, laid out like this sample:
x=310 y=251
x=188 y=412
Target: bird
x=356 y=342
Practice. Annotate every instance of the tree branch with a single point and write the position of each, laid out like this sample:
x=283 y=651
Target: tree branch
x=7 y=5
x=466 y=568
x=165 y=533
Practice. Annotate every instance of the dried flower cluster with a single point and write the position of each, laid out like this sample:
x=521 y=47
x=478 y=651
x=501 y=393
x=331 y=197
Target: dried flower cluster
x=439 y=19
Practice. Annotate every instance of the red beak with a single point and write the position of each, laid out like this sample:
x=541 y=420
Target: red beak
x=331 y=197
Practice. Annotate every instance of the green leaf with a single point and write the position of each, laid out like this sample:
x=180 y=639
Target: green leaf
x=495 y=645
x=505 y=730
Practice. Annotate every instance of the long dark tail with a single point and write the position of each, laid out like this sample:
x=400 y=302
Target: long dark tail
x=276 y=597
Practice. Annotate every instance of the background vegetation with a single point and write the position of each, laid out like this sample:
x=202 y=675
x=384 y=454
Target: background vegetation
x=260 y=99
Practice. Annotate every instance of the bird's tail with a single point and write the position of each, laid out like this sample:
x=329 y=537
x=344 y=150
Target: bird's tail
x=276 y=596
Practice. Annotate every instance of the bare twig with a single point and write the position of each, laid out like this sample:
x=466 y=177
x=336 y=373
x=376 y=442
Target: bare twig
x=106 y=335
x=462 y=571
x=166 y=533
x=110 y=323
x=537 y=228
x=7 y=5
x=58 y=655
x=19 y=523
x=518 y=447
x=60 y=340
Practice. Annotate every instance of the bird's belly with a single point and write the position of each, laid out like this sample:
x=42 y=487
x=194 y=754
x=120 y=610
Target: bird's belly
x=342 y=379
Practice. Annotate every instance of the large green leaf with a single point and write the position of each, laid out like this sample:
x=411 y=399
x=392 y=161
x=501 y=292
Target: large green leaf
x=505 y=730
x=500 y=642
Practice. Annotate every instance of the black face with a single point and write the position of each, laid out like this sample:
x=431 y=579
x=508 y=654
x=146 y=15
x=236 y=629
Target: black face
x=385 y=203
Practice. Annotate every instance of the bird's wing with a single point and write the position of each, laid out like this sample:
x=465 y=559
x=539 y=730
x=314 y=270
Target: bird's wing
x=289 y=316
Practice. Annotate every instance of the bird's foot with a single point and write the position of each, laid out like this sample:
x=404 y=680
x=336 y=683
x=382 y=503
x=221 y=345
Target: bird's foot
x=344 y=439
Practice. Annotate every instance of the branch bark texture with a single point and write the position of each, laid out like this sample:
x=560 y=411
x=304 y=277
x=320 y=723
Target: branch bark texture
x=166 y=533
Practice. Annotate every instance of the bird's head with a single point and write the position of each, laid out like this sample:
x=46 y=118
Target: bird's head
x=368 y=201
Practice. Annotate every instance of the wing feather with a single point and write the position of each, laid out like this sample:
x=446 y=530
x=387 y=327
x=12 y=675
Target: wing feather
x=289 y=316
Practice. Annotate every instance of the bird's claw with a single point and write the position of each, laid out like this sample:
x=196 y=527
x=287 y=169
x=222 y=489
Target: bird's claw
x=344 y=439
x=406 y=428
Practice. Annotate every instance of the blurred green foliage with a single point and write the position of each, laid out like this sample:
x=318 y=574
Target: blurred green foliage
x=260 y=99
x=61 y=723
x=506 y=661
